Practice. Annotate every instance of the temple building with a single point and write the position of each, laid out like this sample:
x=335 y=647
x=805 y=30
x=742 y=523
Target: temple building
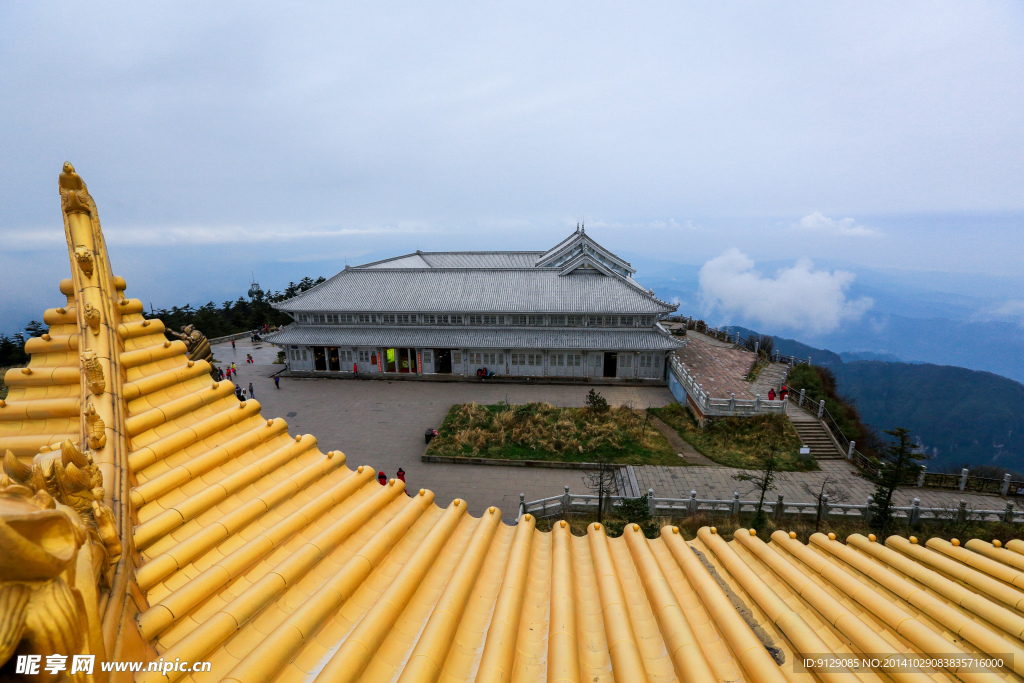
x=572 y=311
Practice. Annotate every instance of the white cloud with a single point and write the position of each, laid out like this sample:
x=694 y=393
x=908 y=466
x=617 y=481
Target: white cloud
x=799 y=298
x=1012 y=310
x=846 y=227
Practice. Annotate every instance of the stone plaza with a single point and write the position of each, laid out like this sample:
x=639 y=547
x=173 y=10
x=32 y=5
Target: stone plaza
x=382 y=422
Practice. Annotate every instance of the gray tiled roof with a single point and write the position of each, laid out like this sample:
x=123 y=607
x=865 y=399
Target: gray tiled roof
x=407 y=261
x=459 y=259
x=640 y=339
x=469 y=290
x=580 y=240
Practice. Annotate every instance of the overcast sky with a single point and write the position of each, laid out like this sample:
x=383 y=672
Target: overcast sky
x=281 y=139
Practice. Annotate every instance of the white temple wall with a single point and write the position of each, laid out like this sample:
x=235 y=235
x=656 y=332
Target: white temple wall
x=466 y=362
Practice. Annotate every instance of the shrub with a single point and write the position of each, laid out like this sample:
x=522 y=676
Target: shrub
x=596 y=403
x=820 y=383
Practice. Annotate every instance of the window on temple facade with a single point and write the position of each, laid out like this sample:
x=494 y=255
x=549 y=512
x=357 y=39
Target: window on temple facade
x=574 y=320
x=535 y=320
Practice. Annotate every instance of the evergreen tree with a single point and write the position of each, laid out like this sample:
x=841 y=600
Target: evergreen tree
x=36 y=329
x=898 y=463
x=12 y=350
x=764 y=478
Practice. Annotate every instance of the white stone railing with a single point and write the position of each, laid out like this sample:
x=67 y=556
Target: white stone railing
x=586 y=504
x=719 y=406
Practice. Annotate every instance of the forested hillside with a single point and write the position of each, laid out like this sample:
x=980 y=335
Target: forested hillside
x=963 y=417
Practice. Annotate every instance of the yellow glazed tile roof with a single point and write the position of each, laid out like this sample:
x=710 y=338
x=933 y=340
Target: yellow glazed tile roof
x=253 y=549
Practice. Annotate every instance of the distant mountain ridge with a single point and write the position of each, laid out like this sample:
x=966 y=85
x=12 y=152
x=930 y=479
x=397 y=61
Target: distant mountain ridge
x=941 y=318
x=962 y=416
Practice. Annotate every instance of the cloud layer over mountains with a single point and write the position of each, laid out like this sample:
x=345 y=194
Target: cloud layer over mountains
x=798 y=298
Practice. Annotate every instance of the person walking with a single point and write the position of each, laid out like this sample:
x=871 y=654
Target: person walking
x=234 y=369
x=401 y=476
x=771 y=394
x=382 y=478
x=277 y=381
x=232 y=343
x=238 y=394
x=252 y=392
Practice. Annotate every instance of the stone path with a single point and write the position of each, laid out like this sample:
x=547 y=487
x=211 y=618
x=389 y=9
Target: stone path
x=720 y=482
x=687 y=453
x=772 y=376
x=722 y=368
x=381 y=423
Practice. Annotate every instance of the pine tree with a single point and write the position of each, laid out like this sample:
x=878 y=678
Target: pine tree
x=899 y=462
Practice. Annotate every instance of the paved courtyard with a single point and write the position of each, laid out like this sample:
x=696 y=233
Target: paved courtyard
x=381 y=423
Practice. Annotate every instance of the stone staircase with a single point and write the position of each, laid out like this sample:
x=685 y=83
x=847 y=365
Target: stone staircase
x=813 y=433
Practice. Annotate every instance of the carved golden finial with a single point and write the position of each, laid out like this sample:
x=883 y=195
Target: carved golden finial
x=92 y=317
x=58 y=544
x=95 y=429
x=84 y=258
x=74 y=195
x=196 y=345
x=69 y=454
x=18 y=471
x=93 y=372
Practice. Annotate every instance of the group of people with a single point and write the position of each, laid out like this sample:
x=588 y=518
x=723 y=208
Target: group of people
x=227 y=373
x=383 y=479
x=782 y=395
x=240 y=393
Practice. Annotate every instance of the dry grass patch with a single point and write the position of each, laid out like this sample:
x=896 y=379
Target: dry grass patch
x=739 y=441
x=540 y=431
